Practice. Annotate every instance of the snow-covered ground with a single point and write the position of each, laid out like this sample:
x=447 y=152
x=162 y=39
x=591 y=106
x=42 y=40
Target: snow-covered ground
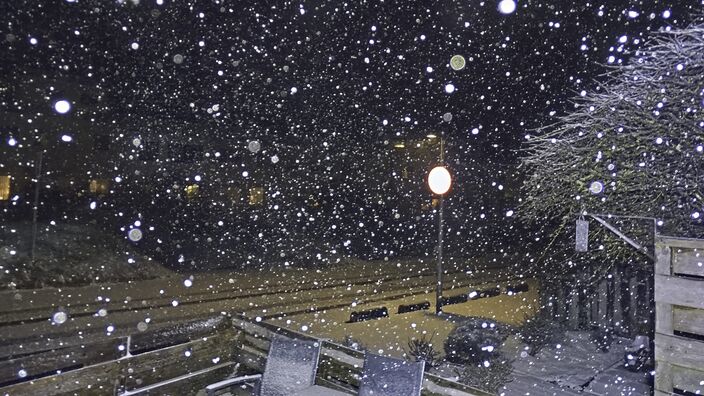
x=573 y=367
x=69 y=254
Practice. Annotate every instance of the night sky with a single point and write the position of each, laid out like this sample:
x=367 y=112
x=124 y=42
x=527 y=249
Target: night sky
x=362 y=69
x=332 y=74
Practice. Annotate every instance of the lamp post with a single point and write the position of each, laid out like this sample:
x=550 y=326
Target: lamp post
x=439 y=181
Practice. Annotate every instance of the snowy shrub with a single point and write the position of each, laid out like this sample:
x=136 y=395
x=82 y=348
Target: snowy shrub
x=539 y=331
x=474 y=341
x=422 y=349
x=489 y=375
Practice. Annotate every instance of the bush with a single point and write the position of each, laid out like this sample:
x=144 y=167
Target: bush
x=474 y=341
x=420 y=349
x=539 y=331
x=489 y=375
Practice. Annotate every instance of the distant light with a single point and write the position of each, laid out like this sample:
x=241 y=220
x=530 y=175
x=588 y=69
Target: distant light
x=22 y=373
x=188 y=283
x=700 y=148
x=509 y=213
x=449 y=88
x=245 y=174
x=475 y=131
x=12 y=141
x=658 y=140
x=429 y=69
x=135 y=46
x=507 y=6
x=439 y=180
x=93 y=205
x=197 y=178
x=66 y=138
x=399 y=145
x=431 y=136
x=623 y=39
x=274 y=159
x=695 y=215
x=62 y=106
x=33 y=41
x=666 y=14
x=680 y=67
x=633 y=14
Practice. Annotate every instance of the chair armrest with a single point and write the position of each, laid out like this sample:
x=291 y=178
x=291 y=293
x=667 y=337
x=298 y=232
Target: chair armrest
x=210 y=389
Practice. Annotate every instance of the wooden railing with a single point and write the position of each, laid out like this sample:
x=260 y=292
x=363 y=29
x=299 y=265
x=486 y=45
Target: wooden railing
x=169 y=359
x=180 y=360
x=679 y=310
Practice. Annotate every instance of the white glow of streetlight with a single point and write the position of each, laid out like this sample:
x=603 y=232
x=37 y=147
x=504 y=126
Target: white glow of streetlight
x=62 y=106
x=439 y=180
x=507 y=6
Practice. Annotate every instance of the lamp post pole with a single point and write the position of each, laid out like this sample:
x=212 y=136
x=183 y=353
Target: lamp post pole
x=439 y=181
x=438 y=291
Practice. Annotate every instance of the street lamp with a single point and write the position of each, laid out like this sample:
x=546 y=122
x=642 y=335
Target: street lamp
x=439 y=181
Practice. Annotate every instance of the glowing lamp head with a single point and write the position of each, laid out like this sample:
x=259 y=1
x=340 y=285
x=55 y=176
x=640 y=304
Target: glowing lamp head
x=439 y=180
x=62 y=106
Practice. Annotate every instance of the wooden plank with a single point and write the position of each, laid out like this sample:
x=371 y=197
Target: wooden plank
x=663 y=258
x=679 y=291
x=188 y=384
x=62 y=359
x=160 y=365
x=691 y=243
x=688 y=320
x=99 y=379
x=688 y=380
x=663 y=318
x=680 y=351
x=663 y=377
x=688 y=262
x=172 y=334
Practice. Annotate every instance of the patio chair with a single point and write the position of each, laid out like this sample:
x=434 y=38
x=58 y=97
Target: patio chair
x=385 y=376
x=290 y=369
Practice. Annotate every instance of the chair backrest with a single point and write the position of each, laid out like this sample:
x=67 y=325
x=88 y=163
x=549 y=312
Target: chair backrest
x=290 y=366
x=385 y=376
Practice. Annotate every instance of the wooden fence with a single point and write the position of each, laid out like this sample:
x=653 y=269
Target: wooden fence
x=622 y=300
x=679 y=307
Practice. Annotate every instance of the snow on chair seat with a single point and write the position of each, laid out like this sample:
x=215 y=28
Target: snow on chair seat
x=385 y=376
x=290 y=368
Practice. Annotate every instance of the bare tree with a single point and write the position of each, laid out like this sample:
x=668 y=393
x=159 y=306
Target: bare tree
x=633 y=146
